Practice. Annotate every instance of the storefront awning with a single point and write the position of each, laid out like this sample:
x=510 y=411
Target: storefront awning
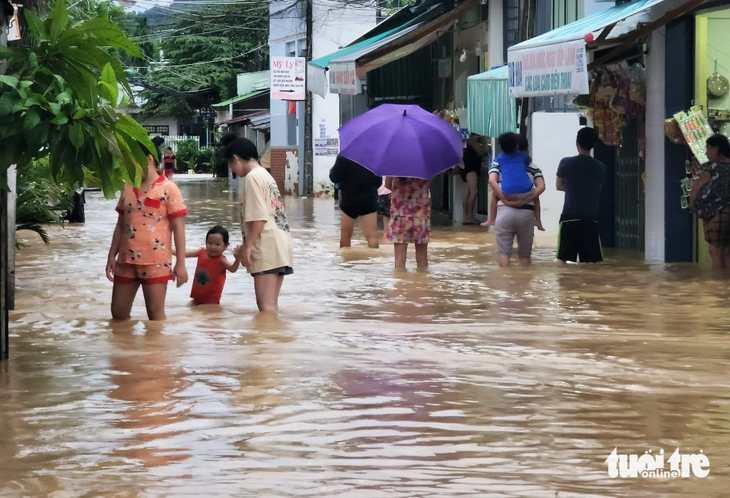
x=247 y=118
x=490 y=110
x=317 y=68
x=347 y=66
x=241 y=98
x=555 y=63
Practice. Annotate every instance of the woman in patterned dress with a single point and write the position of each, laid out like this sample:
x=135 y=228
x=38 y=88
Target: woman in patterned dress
x=410 y=218
x=710 y=198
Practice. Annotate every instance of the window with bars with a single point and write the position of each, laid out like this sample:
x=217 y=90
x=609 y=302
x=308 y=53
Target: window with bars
x=511 y=24
x=551 y=15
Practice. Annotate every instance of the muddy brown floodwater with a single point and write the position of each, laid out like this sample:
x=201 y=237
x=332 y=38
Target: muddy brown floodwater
x=467 y=380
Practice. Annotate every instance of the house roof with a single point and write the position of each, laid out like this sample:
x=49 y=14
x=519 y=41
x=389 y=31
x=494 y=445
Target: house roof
x=241 y=98
x=244 y=118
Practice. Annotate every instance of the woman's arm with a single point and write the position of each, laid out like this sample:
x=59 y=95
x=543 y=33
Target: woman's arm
x=254 y=229
x=178 y=229
x=111 y=263
x=389 y=182
x=696 y=186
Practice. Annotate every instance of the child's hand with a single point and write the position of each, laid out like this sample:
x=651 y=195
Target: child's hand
x=111 y=266
x=243 y=254
x=180 y=273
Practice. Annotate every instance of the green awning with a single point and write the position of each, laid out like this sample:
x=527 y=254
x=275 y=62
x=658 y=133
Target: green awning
x=324 y=62
x=490 y=110
x=241 y=98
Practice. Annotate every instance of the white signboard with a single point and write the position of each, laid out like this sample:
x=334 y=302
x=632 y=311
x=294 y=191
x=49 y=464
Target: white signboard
x=343 y=79
x=288 y=78
x=559 y=69
x=13 y=28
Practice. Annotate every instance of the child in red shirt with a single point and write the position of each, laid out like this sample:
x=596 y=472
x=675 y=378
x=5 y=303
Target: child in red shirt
x=210 y=273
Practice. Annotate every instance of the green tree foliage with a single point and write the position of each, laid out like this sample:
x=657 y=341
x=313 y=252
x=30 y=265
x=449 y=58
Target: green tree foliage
x=203 y=51
x=59 y=99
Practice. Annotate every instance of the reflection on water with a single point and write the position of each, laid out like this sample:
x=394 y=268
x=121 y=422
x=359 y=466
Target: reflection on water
x=466 y=380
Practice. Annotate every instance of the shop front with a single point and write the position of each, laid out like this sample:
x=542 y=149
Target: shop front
x=617 y=64
x=426 y=60
x=711 y=88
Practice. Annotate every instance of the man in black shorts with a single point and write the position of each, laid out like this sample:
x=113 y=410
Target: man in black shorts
x=581 y=178
x=358 y=199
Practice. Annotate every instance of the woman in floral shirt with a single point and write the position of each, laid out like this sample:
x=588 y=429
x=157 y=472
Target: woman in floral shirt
x=710 y=198
x=410 y=218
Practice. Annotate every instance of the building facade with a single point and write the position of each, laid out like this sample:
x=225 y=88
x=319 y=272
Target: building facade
x=334 y=25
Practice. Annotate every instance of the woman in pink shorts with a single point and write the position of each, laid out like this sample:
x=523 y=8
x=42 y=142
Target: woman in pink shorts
x=410 y=218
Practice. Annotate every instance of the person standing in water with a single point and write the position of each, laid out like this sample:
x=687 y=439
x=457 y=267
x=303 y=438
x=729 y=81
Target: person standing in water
x=141 y=248
x=212 y=266
x=358 y=188
x=267 y=250
x=470 y=172
x=170 y=163
x=581 y=178
x=384 y=206
x=410 y=218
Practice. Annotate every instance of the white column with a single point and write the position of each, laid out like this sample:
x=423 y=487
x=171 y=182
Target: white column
x=655 y=102
x=496 y=33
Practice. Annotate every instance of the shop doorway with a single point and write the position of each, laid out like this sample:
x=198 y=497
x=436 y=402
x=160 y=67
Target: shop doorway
x=629 y=190
x=622 y=214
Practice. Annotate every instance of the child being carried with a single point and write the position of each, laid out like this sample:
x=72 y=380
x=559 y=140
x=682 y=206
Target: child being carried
x=517 y=174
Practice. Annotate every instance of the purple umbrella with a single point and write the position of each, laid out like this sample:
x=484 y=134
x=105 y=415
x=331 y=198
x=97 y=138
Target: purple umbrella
x=401 y=140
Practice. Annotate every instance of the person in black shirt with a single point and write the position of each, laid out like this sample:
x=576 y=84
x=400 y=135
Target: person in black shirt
x=472 y=168
x=581 y=178
x=358 y=198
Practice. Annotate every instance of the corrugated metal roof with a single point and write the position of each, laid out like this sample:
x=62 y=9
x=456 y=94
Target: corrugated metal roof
x=241 y=98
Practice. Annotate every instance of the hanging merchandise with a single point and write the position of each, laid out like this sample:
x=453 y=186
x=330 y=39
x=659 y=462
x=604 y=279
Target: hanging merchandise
x=637 y=89
x=673 y=132
x=607 y=121
x=717 y=84
x=696 y=130
x=621 y=101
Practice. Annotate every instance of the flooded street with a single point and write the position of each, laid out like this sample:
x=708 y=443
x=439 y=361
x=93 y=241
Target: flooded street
x=468 y=380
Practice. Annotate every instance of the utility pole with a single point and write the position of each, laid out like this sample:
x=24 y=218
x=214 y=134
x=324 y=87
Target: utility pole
x=308 y=150
x=5 y=230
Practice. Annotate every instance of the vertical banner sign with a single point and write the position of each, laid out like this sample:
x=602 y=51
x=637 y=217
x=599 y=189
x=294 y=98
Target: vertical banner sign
x=559 y=69
x=288 y=78
x=14 y=26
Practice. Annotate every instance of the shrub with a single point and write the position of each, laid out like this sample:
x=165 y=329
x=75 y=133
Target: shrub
x=187 y=155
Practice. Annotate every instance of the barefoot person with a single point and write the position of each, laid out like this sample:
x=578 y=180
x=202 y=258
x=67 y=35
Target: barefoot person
x=141 y=248
x=358 y=188
x=267 y=244
x=470 y=171
x=581 y=178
